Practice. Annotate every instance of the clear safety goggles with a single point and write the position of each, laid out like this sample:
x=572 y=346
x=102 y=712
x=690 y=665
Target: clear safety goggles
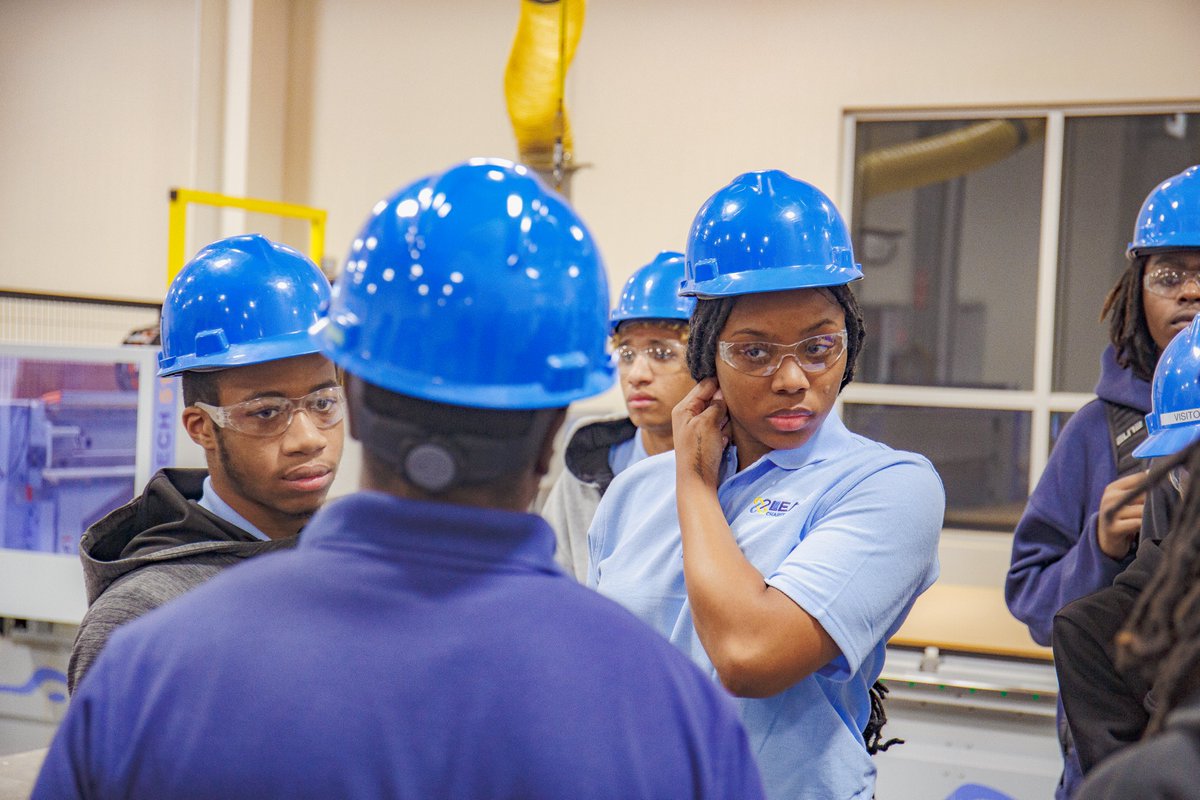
x=271 y=416
x=1167 y=281
x=814 y=354
x=663 y=358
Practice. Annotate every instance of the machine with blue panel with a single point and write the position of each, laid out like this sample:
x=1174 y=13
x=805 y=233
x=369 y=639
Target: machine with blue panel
x=81 y=432
x=69 y=459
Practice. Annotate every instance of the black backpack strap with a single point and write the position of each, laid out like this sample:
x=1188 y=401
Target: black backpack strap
x=1127 y=429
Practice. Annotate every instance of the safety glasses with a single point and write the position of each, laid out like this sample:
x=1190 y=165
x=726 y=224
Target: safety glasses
x=271 y=416
x=814 y=354
x=663 y=357
x=1167 y=281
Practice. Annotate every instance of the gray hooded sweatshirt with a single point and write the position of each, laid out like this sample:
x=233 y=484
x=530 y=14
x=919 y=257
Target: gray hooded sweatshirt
x=151 y=551
x=573 y=498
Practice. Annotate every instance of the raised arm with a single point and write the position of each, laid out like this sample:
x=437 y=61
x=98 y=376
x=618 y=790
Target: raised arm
x=758 y=639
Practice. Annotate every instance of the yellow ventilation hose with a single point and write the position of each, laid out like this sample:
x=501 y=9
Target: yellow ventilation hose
x=942 y=157
x=547 y=34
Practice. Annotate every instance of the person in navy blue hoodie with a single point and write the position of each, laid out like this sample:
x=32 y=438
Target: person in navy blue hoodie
x=420 y=641
x=1066 y=546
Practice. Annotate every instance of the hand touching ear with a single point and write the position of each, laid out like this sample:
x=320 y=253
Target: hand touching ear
x=698 y=427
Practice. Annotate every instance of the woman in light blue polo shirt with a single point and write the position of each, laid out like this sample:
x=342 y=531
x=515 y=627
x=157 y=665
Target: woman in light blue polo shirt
x=777 y=548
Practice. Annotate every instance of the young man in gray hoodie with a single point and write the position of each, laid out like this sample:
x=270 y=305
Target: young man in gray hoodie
x=234 y=326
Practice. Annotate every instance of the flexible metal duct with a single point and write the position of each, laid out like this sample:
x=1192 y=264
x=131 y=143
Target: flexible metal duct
x=942 y=157
x=547 y=34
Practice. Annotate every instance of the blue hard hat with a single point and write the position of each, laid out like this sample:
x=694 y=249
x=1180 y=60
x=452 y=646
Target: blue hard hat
x=241 y=300
x=478 y=286
x=653 y=292
x=767 y=232
x=1170 y=216
x=1174 y=419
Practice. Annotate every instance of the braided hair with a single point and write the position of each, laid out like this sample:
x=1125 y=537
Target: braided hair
x=1128 y=329
x=873 y=732
x=1161 y=639
x=710 y=316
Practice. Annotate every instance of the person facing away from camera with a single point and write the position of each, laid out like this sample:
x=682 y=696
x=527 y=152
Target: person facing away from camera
x=420 y=641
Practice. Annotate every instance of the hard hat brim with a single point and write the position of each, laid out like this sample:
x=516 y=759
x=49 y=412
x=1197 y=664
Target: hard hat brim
x=1167 y=441
x=243 y=355
x=776 y=279
x=1138 y=251
x=617 y=322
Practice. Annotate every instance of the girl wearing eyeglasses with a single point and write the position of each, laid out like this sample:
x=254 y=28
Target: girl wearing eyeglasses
x=777 y=548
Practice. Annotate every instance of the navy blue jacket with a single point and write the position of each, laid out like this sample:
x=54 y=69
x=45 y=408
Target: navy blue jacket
x=403 y=650
x=1056 y=556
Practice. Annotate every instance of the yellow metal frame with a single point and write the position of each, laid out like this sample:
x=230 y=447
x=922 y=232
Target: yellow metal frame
x=177 y=229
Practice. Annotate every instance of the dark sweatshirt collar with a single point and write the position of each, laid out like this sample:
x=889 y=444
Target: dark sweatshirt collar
x=163 y=524
x=391 y=524
x=165 y=516
x=586 y=456
x=1118 y=384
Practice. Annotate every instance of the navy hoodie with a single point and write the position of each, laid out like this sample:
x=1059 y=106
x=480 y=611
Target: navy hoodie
x=1056 y=556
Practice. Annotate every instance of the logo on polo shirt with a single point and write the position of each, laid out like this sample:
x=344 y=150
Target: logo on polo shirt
x=771 y=508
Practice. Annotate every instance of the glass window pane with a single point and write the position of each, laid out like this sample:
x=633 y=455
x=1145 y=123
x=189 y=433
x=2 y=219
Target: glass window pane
x=1110 y=164
x=982 y=456
x=68 y=433
x=946 y=224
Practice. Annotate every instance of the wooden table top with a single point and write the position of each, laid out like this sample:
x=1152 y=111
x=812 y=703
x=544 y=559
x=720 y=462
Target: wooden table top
x=971 y=619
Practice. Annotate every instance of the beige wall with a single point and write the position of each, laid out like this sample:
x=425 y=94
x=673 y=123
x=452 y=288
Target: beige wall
x=674 y=98
x=95 y=125
x=106 y=104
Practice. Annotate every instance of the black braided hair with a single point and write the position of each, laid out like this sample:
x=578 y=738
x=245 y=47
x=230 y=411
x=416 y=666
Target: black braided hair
x=1128 y=329
x=710 y=316
x=873 y=733
x=1161 y=639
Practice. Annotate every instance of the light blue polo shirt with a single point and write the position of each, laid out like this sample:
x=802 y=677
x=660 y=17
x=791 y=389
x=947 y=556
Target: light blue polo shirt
x=623 y=455
x=844 y=526
x=209 y=499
